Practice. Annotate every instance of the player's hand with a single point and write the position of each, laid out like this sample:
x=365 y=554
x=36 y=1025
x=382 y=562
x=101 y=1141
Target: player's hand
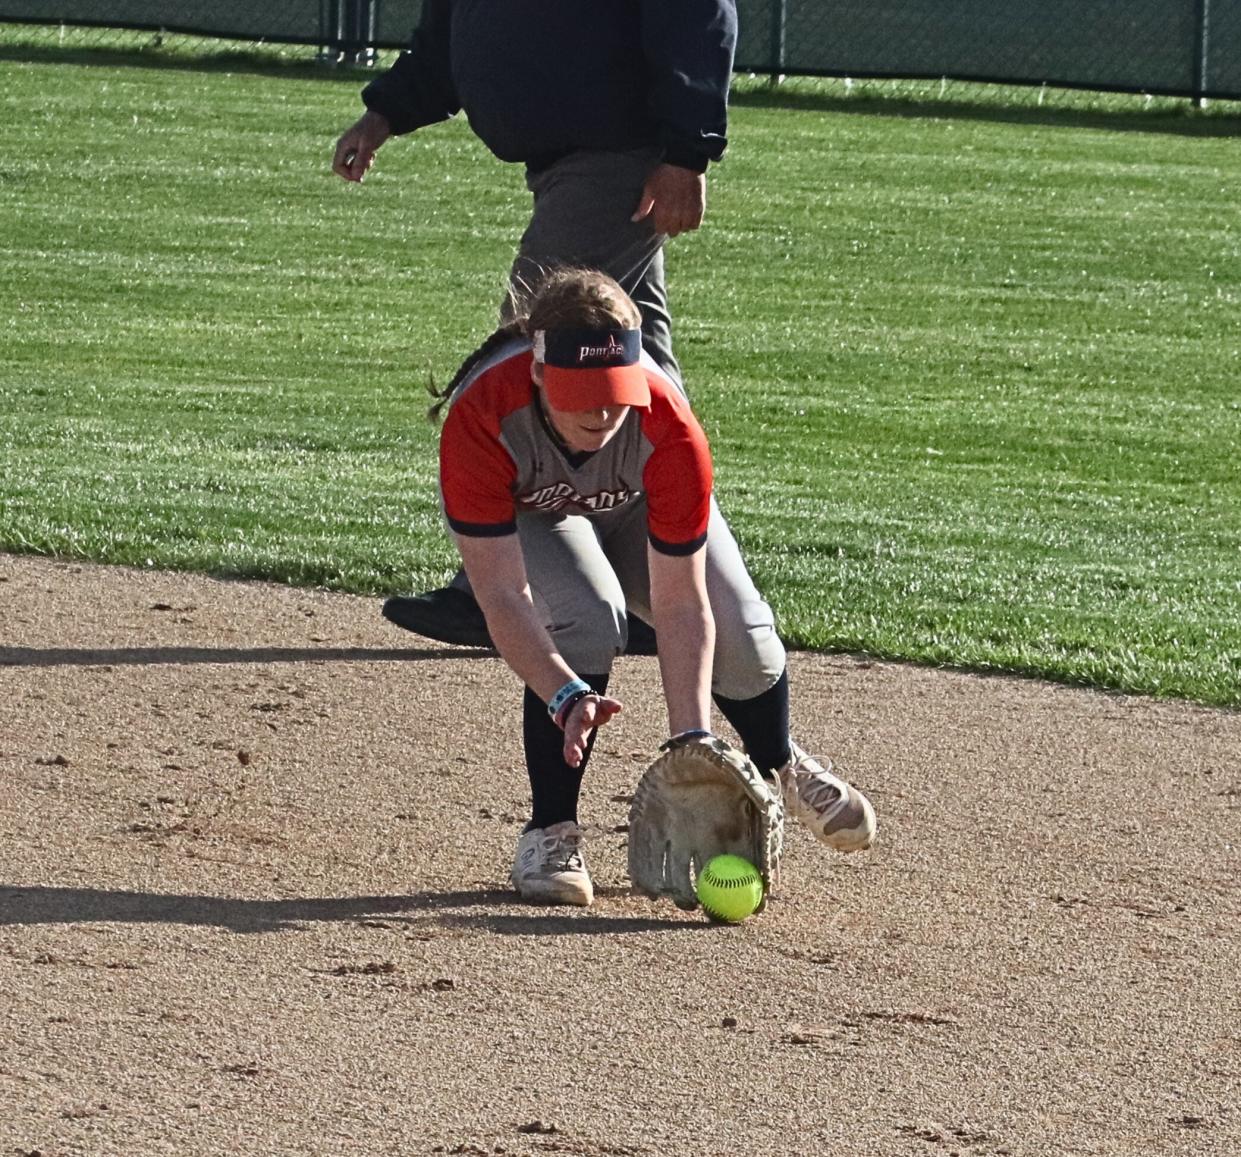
x=589 y=712
x=355 y=151
x=674 y=198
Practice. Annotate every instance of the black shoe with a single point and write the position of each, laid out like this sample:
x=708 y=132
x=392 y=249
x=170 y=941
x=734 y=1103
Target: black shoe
x=447 y=615
x=450 y=615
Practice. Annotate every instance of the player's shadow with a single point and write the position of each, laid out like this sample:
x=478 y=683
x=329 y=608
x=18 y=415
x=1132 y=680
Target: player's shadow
x=495 y=911
x=155 y=656
x=226 y=59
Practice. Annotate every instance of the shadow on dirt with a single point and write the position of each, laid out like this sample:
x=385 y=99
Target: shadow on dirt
x=545 y=924
x=40 y=905
x=143 y=656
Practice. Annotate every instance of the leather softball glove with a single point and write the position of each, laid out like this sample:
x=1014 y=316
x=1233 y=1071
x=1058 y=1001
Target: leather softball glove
x=701 y=798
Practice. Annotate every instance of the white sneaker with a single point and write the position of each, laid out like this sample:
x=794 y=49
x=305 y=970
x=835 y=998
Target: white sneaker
x=549 y=867
x=838 y=814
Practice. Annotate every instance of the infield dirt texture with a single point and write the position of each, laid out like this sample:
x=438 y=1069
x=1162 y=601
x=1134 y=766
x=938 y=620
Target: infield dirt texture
x=253 y=855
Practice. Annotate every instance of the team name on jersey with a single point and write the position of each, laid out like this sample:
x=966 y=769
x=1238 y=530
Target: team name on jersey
x=561 y=494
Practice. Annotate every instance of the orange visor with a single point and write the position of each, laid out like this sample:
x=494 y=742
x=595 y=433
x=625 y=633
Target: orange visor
x=592 y=369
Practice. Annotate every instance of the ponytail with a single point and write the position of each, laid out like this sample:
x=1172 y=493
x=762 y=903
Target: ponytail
x=504 y=334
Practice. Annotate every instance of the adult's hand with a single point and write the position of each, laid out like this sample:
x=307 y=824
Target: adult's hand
x=589 y=712
x=674 y=198
x=355 y=151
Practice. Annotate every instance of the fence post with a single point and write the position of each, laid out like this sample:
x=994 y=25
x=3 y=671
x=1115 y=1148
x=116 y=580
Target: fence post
x=362 y=32
x=779 y=21
x=372 y=23
x=347 y=31
x=1202 y=44
x=331 y=31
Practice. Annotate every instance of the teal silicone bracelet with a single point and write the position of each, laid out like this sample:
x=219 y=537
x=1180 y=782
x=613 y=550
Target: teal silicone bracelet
x=571 y=688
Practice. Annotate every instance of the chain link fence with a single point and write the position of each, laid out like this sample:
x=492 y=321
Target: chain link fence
x=1187 y=48
x=1173 y=47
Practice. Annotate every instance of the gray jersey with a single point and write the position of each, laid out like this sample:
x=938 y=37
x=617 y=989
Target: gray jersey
x=499 y=456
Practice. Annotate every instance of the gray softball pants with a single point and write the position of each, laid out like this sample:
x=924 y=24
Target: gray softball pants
x=586 y=573
x=582 y=209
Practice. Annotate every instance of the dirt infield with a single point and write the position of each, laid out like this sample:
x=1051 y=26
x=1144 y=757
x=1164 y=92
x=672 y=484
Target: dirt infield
x=253 y=854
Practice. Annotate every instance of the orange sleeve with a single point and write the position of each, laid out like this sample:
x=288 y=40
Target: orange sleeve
x=476 y=472
x=678 y=476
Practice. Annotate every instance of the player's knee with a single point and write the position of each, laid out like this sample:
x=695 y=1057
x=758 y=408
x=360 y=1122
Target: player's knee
x=592 y=637
x=749 y=658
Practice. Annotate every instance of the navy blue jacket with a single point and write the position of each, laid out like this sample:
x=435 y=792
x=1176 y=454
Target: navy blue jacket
x=542 y=78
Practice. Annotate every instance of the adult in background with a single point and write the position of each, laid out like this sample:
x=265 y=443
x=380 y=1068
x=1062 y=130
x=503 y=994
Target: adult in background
x=615 y=107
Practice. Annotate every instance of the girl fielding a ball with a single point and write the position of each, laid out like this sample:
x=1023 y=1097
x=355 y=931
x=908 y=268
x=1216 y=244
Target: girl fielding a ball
x=577 y=484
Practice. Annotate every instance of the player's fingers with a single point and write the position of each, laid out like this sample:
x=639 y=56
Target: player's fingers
x=589 y=712
x=597 y=710
x=607 y=709
x=576 y=733
x=576 y=736
x=573 y=751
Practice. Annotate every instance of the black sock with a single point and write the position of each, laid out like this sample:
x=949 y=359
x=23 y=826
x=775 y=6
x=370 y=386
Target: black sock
x=554 y=785
x=762 y=723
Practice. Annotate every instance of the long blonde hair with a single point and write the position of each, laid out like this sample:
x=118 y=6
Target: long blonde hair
x=568 y=297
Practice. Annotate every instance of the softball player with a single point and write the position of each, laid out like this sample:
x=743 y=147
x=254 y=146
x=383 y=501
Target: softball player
x=578 y=485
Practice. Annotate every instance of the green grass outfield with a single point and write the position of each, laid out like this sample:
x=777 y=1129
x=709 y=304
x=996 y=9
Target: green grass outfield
x=970 y=362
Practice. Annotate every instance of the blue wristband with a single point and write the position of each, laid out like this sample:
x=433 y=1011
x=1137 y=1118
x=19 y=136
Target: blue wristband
x=571 y=688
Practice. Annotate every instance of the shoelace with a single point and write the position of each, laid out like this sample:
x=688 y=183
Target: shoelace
x=818 y=792
x=562 y=853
